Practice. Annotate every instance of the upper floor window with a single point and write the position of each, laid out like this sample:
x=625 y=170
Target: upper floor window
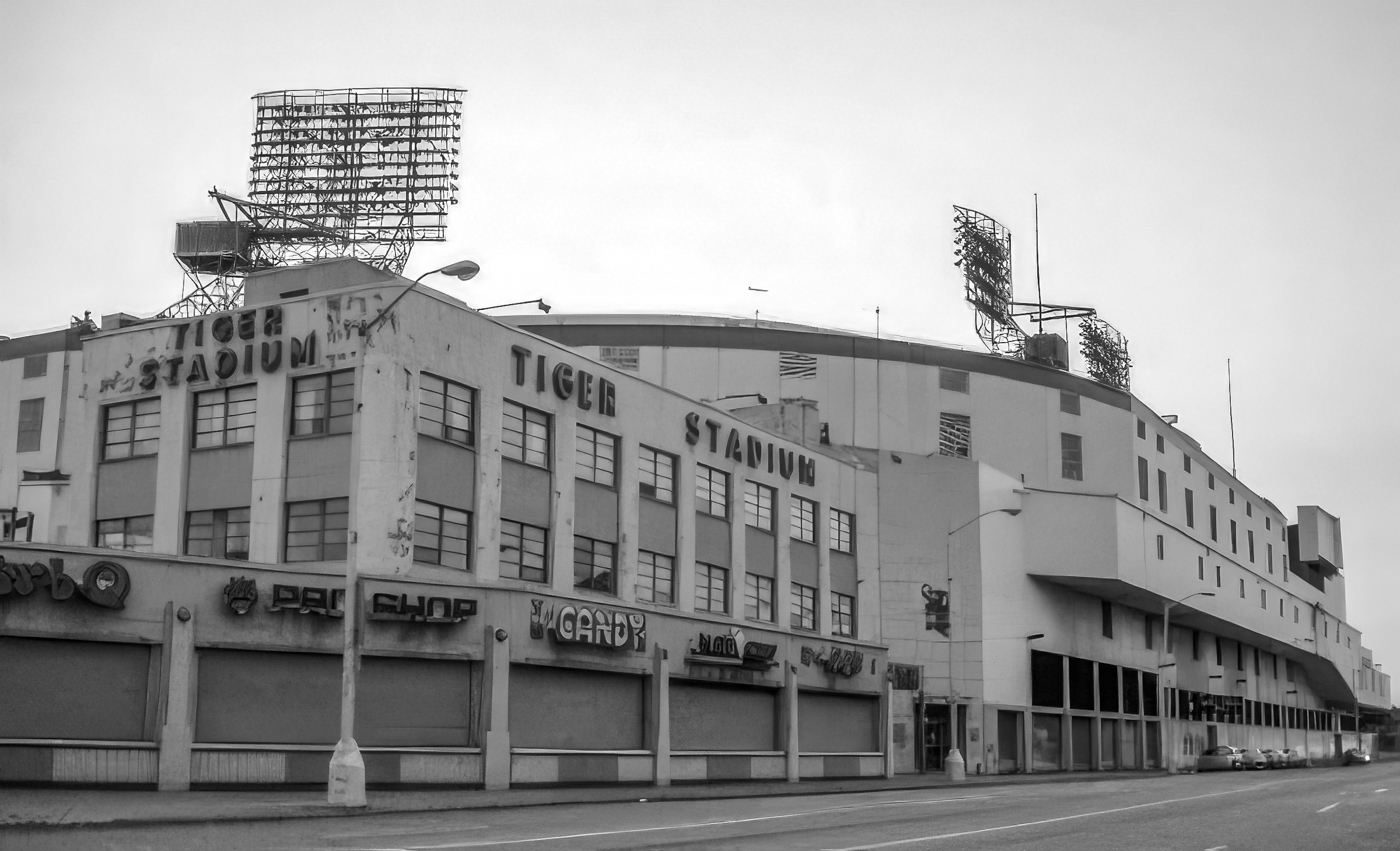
x=657 y=475
x=655 y=578
x=1071 y=457
x=1069 y=402
x=841 y=526
x=1248 y=509
x=323 y=404
x=954 y=435
x=843 y=614
x=1161 y=443
x=127 y=533
x=711 y=588
x=131 y=429
x=1190 y=502
x=525 y=436
x=955 y=380
x=441 y=535
x=36 y=366
x=1210 y=480
x=446 y=410
x=1186 y=462
x=804 y=520
x=31 y=425
x=595 y=458
x=711 y=491
x=594 y=563
x=758 y=597
x=318 y=529
x=1144 y=488
x=222 y=533
x=524 y=551
x=758 y=506
x=804 y=606
x=225 y=416
x=1142 y=429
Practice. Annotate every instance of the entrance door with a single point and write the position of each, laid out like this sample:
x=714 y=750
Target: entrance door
x=1008 y=742
x=1108 y=743
x=1082 y=731
x=938 y=736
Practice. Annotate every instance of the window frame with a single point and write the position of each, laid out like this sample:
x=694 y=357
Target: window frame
x=127 y=533
x=519 y=536
x=802 y=519
x=841 y=530
x=439 y=515
x=843 y=614
x=223 y=417
x=30 y=426
x=954 y=435
x=443 y=428
x=653 y=575
x=654 y=473
x=327 y=422
x=804 y=607
x=596 y=549
x=588 y=442
x=756 y=495
x=325 y=549
x=707 y=480
x=534 y=449
x=758 y=593
x=1071 y=456
x=716 y=578
x=146 y=445
x=1070 y=403
x=954 y=380
x=220 y=522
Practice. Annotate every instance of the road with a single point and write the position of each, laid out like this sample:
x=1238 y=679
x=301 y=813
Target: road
x=1336 y=809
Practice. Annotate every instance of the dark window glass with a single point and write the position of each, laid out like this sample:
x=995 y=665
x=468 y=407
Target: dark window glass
x=1130 y=691
x=221 y=533
x=446 y=410
x=1081 y=684
x=323 y=404
x=1108 y=687
x=31 y=425
x=1047 y=679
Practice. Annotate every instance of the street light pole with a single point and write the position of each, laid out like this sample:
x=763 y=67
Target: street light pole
x=1169 y=728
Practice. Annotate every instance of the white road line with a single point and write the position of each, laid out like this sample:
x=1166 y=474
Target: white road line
x=1045 y=821
x=1218 y=848
x=1382 y=790
x=1328 y=807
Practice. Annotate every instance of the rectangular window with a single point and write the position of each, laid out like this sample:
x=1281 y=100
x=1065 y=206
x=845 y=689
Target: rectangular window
x=525 y=435
x=656 y=578
x=711 y=588
x=954 y=435
x=804 y=607
x=1107 y=612
x=36 y=366
x=1210 y=480
x=1201 y=568
x=1189 y=500
x=1269 y=556
x=758 y=505
x=1217 y=576
x=1144 y=485
x=1234 y=537
x=127 y=533
x=323 y=404
x=758 y=597
x=804 y=520
x=1162 y=490
x=1248 y=509
x=955 y=380
x=711 y=491
x=594 y=562
x=225 y=417
x=595 y=457
x=1142 y=430
x=1161 y=443
x=1241 y=588
x=1263 y=598
x=1249 y=541
x=222 y=533
x=1214 y=524
x=1239 y=656
x=1195 y=645
x=1161 y=548
x=317 y=530
x=524 y=550
x=1148 y=623
x=1185 y=462
x=1232 y=496
x=841 y=526
x=446 y=410
x=843 y=614
x=657 y=475
x=1069 y=403
x=1219 y=652
x=442 y=535
x=31 y=425
x=131 y=429
x=1071 y=457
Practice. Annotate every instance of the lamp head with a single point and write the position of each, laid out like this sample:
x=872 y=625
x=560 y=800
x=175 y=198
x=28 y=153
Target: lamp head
x=544 y=308
x=463 y=270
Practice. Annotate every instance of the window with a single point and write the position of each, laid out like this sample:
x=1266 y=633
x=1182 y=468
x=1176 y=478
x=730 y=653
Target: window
x=1295 y=614
x=1107 y=612
x=655 y=578
x=840 y=526
x=595 y=459
x=1232 y=496
x=1161 y=443
x=525 y=435
x=1241 y=588
x=758 y=597
x=323 y=404
x=804 y=520
x=1185 y=462
x=1249 y=541
x=222 y=533
x=1144 y=493
x=1217 y=576
x=224 y=417
x=955 y=380
x=954 y=435
x=843 y=614
x=758 y=506
x=594 y=562
x=1263 y=598
x=1069 y=403
x=1219 y=652
x=1195 y=645
x=317 y=530
x=127 y=533
x=1239 y=656
x=1071 y=457
x=1269 y=556
x=1248 y=509
x=1142 y=430
x=711 y=491
x=1210 y=480
x=523 y=551
x=1201 y=568
x=36 y=366
x=1234 y=537
x=1162 y=490
x=442 y=535
x=131 y=429
x=1161 y=548
x=657 y=475
x=1214 y=523
x=31 y=425
x=804 y=607
x=1148 y=624
x=446 y=410
x=1280 y=607
x=711 y=588
x=1189 y=500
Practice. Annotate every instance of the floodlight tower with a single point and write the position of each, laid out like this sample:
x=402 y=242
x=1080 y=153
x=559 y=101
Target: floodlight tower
x=361 y=173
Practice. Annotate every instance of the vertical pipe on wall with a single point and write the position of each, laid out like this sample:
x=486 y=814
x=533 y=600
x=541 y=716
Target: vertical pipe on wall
x=496 y=698
x=790 y=738
x=660 y=716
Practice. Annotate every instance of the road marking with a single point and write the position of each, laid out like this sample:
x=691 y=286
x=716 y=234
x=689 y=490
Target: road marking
x=1045 y=821
x=1328 y=807
x=1382 y=790
x=1218 y=848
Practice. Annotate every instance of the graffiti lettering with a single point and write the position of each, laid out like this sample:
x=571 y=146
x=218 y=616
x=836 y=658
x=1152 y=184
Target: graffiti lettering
x=240 y=594
x=396 y=607
x=584 y=625
x=752 y=451
x=905 y=677
x=838 y=660
x=105 y=583
x=308 y=601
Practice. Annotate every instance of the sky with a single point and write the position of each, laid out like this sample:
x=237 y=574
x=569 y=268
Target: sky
x=1219 y=180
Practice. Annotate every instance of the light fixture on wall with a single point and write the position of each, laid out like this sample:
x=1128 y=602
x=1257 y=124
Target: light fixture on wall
x=539 y=302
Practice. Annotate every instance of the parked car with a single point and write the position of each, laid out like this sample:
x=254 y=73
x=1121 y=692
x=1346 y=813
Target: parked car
x=1253 y=758
x=1292 y=758
x=1276 y=759
x=1356 y=756
x=1222 y=758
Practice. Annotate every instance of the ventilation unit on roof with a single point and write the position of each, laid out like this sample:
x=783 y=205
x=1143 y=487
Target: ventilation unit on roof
x=1048 y=349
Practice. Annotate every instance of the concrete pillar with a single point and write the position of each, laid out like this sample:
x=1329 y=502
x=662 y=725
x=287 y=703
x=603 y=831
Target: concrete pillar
x=660 y=714
x=178 y=731
x=887 y=718
x=496 y=753
x=1028 y=740
x=790 y=740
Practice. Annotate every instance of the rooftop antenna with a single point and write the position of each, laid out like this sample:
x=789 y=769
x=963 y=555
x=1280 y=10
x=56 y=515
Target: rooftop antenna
x=1039 y=299
x=1230 y=390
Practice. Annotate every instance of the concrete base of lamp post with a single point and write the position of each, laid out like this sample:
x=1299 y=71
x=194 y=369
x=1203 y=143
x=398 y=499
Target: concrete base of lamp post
x=954 y=767
x=347 y=776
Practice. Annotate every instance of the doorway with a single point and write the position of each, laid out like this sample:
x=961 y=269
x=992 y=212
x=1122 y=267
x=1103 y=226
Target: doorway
x=938 y=736
x=1008 y=742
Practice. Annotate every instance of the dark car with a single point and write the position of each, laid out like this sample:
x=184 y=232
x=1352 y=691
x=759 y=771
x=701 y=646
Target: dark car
x=1223 y=758
x=1356 y=756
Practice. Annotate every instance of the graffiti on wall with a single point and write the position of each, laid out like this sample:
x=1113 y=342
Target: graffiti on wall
x=905 y=677
x=105 y=583
x=397 y=607
x=936 y=609
x=834 y=660
x=240 y=594
x=731 y=649
x=308 y=600
x=585 y=625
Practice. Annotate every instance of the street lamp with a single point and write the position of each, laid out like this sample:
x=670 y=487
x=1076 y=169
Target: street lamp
x=544 y=308
x=1169 y=729
x=462 y=270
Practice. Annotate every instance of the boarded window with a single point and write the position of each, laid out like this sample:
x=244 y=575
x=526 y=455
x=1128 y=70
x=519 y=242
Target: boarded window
x=53 y=689
x=703 y=718
x=796 y=365
x=954 y=435
x=584 y=710
x=955 y=380
x=837 y=723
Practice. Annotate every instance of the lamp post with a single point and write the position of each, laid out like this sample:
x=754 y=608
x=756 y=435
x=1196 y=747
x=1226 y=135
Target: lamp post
x=544 y=308
x=1169 y=729
x=462 y=270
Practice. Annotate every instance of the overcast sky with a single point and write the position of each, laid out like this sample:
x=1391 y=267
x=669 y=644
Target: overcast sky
x=1218 y=179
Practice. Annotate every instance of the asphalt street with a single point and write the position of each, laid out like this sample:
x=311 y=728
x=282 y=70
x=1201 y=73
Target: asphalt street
x=1335 y=809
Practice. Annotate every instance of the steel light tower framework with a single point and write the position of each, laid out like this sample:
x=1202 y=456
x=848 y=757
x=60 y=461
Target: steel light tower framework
x=983 y=248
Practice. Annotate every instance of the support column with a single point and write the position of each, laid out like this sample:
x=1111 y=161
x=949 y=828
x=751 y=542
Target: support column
x=887 y=716
x=496 y=682
x=661 y=713
x=177 y=732
x=794 y=772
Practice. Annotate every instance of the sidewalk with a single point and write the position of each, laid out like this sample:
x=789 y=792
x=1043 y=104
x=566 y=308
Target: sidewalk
x=59 y=807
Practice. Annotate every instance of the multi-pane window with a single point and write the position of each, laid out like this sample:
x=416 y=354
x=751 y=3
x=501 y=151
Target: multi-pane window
x=758 y=597
x=595 y=459
x=525 y=436
x=441 y=535
x=221 y=533
x=224 y=417
x=317 y=530
x=31 y=425
x=843 y=614
x=804 y=606
x=656 y=578
x=954 y=435
x=523 y=549
x=594 y=562
x=804 y=519
x=1069 y=402
x=711 y=491
x=711 y=588
x=131 y=429
x=446 y=410
x=127 y=533
x=955 y=380
x=36 y=366
x=657 y=475
x=323 y=404
x=758 y=505
x=840 y=527
x=1071 y=457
